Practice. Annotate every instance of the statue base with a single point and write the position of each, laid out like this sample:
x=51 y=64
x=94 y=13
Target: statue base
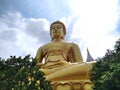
x=72 y=85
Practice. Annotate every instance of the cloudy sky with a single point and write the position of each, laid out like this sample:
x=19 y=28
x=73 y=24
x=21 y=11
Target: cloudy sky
x=92 y=24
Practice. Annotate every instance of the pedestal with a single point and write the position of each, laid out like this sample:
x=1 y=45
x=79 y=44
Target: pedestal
x=72 y=85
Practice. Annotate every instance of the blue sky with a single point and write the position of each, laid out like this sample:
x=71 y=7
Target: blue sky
x=48 y=9
x=92 y=24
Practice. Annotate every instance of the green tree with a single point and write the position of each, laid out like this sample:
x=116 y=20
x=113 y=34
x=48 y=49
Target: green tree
x=18 y=73
x=105 y=74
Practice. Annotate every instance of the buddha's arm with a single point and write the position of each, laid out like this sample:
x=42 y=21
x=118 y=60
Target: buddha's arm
x=39 y=56
x=75 y=54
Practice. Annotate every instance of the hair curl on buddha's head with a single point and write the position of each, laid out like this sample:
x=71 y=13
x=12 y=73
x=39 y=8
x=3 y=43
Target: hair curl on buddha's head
x=59 y=22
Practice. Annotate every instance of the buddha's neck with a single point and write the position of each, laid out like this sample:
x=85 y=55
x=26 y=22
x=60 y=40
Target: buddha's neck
x=57 y=40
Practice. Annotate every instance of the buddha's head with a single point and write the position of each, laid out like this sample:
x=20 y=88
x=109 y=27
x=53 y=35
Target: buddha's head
x=57 y=30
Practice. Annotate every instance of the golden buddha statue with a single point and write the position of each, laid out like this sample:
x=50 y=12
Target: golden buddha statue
x=63 y=60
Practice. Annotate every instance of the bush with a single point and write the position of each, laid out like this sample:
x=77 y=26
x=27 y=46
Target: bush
x=105 y=74
x=18 y=73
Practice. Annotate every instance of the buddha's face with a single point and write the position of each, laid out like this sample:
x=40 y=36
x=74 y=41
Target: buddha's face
x=57 y=31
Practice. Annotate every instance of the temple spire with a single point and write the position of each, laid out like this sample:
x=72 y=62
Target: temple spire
x=89 y=57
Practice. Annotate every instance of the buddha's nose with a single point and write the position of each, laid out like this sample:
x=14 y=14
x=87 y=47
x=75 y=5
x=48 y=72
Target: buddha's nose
x=55 y=30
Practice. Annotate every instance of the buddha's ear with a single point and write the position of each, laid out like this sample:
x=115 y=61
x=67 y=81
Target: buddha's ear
x=51 y=36
x=63 y=35
x=50 y=33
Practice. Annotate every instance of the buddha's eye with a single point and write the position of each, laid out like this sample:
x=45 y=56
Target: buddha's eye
x=59 y=27
x=53 y=27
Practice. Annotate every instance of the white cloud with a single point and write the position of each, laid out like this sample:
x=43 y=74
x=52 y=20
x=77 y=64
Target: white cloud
x=96 y=25
x=21 y=36
x=38 y=28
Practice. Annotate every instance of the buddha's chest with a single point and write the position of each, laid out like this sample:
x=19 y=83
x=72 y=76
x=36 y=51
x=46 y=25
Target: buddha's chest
x=56 y=51
x=56 y=47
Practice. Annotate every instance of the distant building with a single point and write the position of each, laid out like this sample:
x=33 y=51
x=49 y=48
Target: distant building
x=89 y=57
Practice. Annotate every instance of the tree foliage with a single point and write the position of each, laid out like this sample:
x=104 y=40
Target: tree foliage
x=18 y=73
x=105 y=74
